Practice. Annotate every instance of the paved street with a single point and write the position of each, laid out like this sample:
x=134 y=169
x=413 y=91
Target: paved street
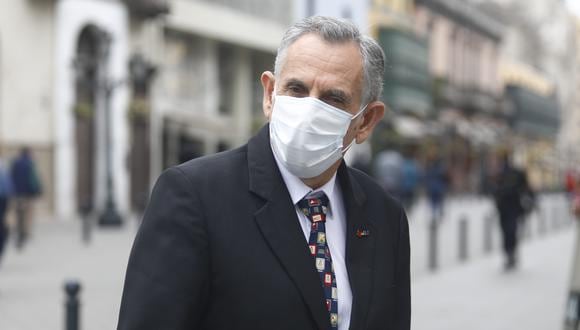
x=475 y=295
x=31 y=282
x=479 y=296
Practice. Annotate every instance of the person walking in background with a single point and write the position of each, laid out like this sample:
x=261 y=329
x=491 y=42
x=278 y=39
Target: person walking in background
x=5 y=192
x=571 y=182
x=387 y=169
x=573 y=189
x=27 y=186
x=513 y=199
x=436 y=180
x=410 y=178
x=576 y=199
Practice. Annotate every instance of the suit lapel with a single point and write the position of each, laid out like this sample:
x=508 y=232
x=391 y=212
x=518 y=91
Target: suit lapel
x=360 y=247
x=279 y=225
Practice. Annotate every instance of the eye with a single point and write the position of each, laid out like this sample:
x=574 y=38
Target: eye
x=335 y=101
x=295 y=90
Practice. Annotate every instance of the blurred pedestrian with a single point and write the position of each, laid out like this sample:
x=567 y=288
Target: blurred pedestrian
x=514 y=199
x=27 y=187
x=576 y=204
x=575 y=196
x=571 y=180
x=5 y=193
x=387 y=169
x=410 y=178
x=436 y=182
x=360 y=157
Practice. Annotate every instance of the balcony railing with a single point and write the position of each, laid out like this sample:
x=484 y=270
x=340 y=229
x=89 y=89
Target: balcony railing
x=275 y=10
x=148 y=8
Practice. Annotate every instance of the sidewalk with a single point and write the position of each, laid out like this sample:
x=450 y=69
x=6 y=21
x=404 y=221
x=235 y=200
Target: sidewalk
x=476 y=210
x=480 y=296
x=472 y=296
x=31 y=281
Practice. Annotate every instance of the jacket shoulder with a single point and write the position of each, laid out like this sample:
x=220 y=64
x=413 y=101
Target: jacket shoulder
x=216 y=164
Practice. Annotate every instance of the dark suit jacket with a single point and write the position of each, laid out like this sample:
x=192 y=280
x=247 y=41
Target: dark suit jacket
x=221 y=247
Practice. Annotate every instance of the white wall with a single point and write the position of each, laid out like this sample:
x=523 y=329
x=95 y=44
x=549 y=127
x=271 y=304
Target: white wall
x=71 y=17
x=26 y=70
x=358 y=9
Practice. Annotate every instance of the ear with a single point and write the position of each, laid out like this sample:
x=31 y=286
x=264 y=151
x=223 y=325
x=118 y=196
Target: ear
x=268 y=80
x=371 y=117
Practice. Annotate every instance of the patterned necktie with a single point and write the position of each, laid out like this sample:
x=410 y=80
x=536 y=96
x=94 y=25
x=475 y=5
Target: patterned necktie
x=314 y=206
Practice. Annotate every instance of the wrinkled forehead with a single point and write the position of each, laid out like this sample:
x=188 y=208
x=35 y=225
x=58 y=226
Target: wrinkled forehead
x=320 y=63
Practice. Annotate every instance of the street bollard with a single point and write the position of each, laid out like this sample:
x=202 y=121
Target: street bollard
x=72 y=317
x=554 y=217
x=561 y=220
x=86 y=228
x=541 y=222
x=488 y=233
x=463 y=239
x=526 y=223
x=86 y=223
x=20 y=230
x=433 y=227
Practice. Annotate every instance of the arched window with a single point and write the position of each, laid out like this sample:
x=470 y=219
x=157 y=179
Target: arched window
x=86 y=64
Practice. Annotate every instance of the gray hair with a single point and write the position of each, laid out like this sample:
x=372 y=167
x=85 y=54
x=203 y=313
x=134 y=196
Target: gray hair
x=336 y=30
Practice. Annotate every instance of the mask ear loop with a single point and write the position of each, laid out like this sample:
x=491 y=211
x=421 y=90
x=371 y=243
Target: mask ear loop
x=353 y=118
x=358 y=113
x=273 y=97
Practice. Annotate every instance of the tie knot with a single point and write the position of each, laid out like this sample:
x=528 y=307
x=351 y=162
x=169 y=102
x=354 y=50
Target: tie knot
x=314 y=206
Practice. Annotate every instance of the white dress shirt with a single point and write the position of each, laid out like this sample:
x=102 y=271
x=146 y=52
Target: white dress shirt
x=335 y=234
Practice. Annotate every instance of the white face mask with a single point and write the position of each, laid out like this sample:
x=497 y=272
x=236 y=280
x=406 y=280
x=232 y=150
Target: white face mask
x=306 y=134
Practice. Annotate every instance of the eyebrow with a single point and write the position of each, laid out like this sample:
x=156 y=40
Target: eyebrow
x=295 y=82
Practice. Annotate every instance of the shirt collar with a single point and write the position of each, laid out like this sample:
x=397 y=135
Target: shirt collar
x=298 y=189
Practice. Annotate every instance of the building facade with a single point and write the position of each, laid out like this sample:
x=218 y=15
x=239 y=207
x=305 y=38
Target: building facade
x=464 y=46
x=144 y=84
x=539 y=45
x=26 y=85
x=353 y=10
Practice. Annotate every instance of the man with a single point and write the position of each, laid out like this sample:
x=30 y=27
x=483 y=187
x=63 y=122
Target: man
x=5 y=192
x=388 y=169
x=27 y=187
x=513 y=198
x=280 y=234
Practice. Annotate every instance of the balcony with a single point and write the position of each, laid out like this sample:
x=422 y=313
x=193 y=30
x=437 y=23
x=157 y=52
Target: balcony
x=469 y=99
x=279 y=11
x=534 y=114
x=407 y=80
x=148 y=8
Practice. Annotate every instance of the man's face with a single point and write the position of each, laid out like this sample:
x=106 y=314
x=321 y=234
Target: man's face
x=332 y=73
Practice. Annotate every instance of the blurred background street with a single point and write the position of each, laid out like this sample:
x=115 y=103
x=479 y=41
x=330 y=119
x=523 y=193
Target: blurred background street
x=98 y=97
x=475 y=294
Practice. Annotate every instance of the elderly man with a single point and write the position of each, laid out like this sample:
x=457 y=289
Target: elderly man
x=280 y=233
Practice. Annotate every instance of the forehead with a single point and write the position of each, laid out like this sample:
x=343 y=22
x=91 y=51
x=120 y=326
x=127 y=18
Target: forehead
x=324 y=65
